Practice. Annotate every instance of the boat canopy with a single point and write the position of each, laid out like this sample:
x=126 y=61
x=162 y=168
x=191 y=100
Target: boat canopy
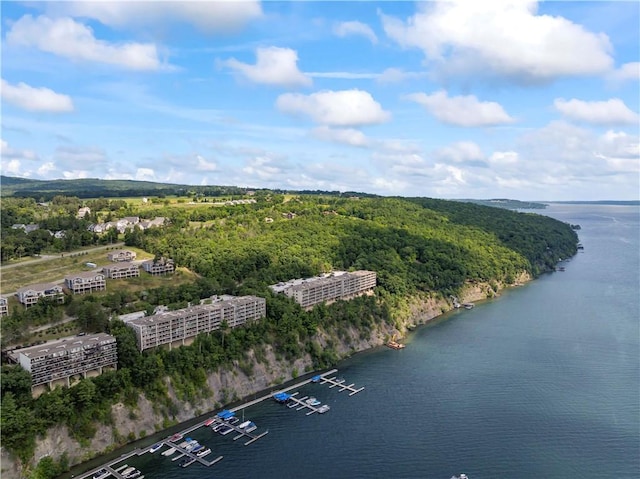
x=226 y=414
x=281 y=397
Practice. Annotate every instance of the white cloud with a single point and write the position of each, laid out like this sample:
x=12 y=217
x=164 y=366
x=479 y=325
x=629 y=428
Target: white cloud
x=396 y=75
x=347 y=136
x=344 y=75
x=12 y=154
x=72 y=156
x=337 y=108
x=626 y=72
x=462 y=110
x=461 y=152
x=344 y=29
x=204 y=165
x=274 y=66
x=67 y=38
x=609 y=112
x=503 y=158
x=264 y=168
x=35 y=99
x=145 y=174
x=501 y=37
x=208 y=16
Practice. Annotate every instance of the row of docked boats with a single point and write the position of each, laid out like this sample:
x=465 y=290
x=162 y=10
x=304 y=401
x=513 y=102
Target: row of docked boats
x=129 y=472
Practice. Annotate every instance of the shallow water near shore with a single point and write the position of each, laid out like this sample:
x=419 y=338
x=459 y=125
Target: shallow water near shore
x=542 y=382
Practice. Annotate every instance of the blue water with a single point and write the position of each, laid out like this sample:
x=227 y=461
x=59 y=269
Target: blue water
x=542 y=382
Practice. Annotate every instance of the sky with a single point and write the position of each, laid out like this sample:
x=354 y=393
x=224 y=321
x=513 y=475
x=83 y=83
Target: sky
x=459 y=99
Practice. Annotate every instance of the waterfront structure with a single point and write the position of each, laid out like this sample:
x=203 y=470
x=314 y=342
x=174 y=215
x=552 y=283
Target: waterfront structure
x=4 y=306
x=328 y=287
x=160 y=266
x=180 y=327
x=85 y=282
x=121 y=270
x=62 y=361
x=30 y=295
x=121 y=255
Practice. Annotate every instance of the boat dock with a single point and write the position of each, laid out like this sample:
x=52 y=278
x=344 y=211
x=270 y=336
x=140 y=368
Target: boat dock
x=182 y=453
x=339 y=383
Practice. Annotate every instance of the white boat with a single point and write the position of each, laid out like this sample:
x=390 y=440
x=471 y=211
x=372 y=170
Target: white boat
x=204 y=452
x=127 y=471
x=324 y=408
x=169 y=451
x=101 y=474
x=134 y=474
x=312 y=402
x=244 y=424
x=155 y=447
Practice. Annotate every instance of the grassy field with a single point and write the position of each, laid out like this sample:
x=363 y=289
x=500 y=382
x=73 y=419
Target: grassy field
x=54 y=270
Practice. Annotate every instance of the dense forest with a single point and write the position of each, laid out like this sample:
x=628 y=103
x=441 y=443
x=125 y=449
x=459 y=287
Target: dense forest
x=416 y=246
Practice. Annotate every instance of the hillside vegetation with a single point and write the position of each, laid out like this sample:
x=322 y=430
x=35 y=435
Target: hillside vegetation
x=417 y=246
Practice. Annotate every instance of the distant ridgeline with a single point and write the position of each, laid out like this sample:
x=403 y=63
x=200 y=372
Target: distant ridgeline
x=96 y=188
x=508 y=204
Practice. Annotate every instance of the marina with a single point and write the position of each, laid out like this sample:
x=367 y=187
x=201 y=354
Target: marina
x=188 y=451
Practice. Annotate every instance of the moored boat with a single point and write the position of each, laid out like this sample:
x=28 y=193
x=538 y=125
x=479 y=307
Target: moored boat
x=209 y=421
x=169 y=451
x=324 y=408
x=251 y=427
x=244 y=424
x=101 y=474
x=312 y=402
x=176 y=437
x=204 y=452
x=156 y=446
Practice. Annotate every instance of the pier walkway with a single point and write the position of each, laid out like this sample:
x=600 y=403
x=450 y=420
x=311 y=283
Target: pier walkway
x=339 y=383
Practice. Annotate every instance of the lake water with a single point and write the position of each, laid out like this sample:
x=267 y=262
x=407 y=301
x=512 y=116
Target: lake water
x=542 y=382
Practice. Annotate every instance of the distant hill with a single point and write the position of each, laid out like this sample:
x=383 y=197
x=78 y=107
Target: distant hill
x=95 y=188
x=508 y=204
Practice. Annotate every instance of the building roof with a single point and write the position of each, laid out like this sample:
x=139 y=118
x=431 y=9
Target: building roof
x=220 y=302
x=83 y=274
x=120 y=265
x=38 y=287
x=64 y=344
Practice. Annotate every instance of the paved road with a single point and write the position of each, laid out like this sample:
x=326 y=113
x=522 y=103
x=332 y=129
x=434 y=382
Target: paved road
x=48 y=257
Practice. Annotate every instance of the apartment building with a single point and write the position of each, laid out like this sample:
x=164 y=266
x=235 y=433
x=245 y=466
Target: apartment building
x=121 y=255
x=121 y=270
x=329 y=287
x=4 y=306
x=62 y=361
x=180 y=327
x=85 y=282
x=161 y=266
x=30 y=295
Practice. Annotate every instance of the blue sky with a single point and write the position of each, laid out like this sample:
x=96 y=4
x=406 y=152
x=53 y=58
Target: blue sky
x=460 y=99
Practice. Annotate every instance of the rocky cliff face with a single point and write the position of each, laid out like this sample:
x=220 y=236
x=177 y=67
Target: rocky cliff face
x=232 y=384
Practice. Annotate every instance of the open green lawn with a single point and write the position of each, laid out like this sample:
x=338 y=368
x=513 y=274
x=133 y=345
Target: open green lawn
x=54 y=270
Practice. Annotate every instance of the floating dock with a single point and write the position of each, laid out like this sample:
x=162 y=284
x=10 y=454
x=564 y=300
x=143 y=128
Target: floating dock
x=339 y=383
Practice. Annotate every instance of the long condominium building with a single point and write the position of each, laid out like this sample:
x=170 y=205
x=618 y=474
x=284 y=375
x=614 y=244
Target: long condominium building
x=56 y=362
x=180 y=327
x=329 y=287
